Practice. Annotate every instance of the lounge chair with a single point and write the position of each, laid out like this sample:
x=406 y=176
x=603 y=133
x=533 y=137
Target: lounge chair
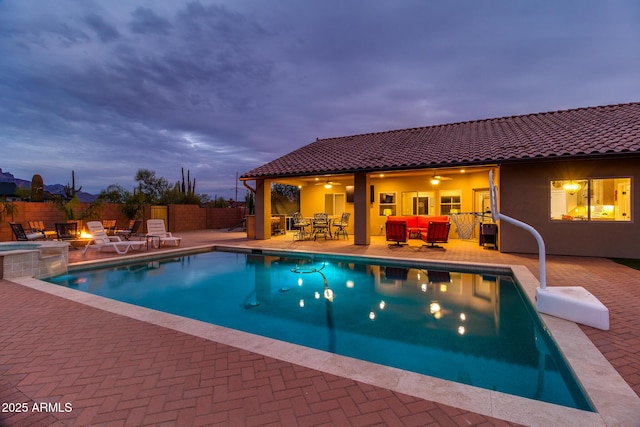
x=103 y=242
x=397 y=232
x=38 y=227
x=131 y=230
x=438 y=232
x=156 y=229
x=109 y=226
x=21 y=235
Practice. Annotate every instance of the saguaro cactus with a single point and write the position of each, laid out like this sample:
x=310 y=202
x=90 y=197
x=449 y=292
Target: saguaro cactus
x=37 y=188
x=190 y=188
x=71 y=190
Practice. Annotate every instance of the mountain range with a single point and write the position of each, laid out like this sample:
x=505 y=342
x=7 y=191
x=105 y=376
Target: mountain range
x=53 y=189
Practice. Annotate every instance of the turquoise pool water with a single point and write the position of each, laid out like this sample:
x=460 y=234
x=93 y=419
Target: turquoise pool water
x=475 y=329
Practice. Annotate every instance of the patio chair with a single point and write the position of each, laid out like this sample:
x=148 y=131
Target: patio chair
x=37 y=226
x=300 y=225
x=275 y=226
x=156 y=229
x=21 y=235
x=438 y=232
x=341 y=226
x=131 y=230
x=109 y=226
x=103 y=242
x=397 y=232
x=321 y=226
x=66 y=230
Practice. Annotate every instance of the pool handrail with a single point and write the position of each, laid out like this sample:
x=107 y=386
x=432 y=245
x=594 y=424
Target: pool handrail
x=496 y=215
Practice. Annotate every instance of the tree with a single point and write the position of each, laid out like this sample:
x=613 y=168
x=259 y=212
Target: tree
x=219 y=202
x=8 y=209
x=291 y=192
x=151 y=186
x=285 y=199
x=114 y=193
x=133 y=204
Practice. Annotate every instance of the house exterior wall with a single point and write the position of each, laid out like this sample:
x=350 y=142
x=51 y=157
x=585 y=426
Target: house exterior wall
x=312 y=198
x=524 y=194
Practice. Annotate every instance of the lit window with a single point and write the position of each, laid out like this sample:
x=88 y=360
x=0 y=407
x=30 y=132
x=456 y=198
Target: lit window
x=449 y=203
x=607 y=199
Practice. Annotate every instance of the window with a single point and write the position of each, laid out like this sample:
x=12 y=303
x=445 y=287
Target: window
x=449 y=202
x=606 y=199
x=387 y=204
x=416 y=203
x=334 y=203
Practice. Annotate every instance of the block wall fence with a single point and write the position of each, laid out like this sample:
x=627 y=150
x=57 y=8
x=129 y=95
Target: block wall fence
x=180 y=217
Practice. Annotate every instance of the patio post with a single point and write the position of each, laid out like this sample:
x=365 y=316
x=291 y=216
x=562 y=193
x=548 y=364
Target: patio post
x=263 y=209
x=361 y=210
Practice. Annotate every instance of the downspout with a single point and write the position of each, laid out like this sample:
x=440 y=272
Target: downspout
x=253 y=190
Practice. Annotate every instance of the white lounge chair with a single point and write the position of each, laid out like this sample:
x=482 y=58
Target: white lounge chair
x=156 y=229
x=101 y=241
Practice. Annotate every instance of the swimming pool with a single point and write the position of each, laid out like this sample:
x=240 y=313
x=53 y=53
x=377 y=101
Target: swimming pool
x=471 y=328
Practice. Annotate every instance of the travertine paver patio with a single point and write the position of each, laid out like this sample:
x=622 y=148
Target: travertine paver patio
x=115 y=370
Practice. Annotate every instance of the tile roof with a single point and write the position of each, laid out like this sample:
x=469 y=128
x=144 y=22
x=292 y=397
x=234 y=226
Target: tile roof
x=604 y=130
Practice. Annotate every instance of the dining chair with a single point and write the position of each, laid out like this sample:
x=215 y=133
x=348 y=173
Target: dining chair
x=321 y=225
x=300 y=225
x=341 y=226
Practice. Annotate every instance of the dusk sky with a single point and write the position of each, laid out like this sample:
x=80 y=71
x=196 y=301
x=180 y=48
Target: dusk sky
x=218 y=87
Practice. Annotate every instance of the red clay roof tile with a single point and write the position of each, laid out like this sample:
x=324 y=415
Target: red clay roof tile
x=604 y=130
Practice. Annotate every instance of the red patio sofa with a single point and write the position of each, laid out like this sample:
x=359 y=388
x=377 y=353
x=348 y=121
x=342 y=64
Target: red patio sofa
x=401 y=228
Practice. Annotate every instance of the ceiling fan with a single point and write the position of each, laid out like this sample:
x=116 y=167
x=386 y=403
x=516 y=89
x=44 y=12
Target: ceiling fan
x=435 y=179
x=328 y=184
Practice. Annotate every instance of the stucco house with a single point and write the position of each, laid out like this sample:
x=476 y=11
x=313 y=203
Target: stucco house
x=570 y=174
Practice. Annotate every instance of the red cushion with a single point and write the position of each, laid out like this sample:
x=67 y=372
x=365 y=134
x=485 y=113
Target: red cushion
x=442 y=218
x=396 y=218
x=412 y=221
x=423 y=221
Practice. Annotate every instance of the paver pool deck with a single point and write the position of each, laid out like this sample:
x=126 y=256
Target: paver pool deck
x=87 y=364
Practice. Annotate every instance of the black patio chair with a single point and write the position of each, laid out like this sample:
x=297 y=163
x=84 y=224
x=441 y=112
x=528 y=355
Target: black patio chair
x=131 y=230
x=21 y=235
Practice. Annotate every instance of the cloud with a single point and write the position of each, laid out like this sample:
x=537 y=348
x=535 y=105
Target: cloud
x=104 y=30
x=105 y=88
x=146 y=21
